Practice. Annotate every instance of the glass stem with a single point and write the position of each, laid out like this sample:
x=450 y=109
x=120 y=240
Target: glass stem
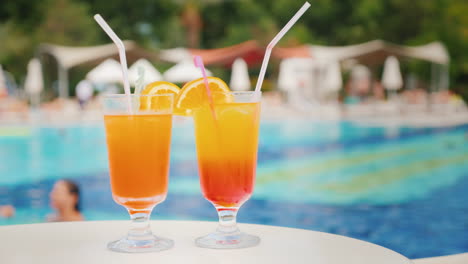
x=140 y=226
x=227 y=220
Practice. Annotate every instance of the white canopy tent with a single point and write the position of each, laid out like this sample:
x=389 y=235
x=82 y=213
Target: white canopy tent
x=108 y=71
x=151 y=74
x=322 y=65
x=377 y=51
x=184 y=71
x=294 y=72
x=309 y=80
x=239 y=76
x=69 y=57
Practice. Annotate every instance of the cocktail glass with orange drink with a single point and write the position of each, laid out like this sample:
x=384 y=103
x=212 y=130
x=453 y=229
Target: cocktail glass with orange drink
x=226 y=135
x=138 y=150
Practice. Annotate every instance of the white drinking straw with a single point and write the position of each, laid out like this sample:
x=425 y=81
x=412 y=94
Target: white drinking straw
x=273 y=43
x=123 y=58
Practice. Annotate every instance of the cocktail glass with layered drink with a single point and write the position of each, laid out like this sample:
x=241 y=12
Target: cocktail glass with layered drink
x=226 y=135
x=138 y=149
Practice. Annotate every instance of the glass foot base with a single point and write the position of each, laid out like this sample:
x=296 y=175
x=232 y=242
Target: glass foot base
x=152 y=244
x=219 y=240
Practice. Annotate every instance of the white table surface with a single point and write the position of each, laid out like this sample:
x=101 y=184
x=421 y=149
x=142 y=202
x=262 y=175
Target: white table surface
x=85 y=242
x=450 y=259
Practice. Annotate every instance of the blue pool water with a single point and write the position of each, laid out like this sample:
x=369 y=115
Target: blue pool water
x=403 y=188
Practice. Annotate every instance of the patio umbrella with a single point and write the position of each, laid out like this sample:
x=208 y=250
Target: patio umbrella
x=151 y=73
x=108 y=71
x=391 y=77
x=287 y=80
x=175 y=55
x=240 y=76
x=333 y=80
x=84 y=90
x=3 y=87
x=34 y=83
x=182 y=72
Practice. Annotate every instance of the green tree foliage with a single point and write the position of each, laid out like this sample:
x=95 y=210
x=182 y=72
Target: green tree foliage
x=26 y=24
x=159 y=24
x=67 y=22
x=149 y=22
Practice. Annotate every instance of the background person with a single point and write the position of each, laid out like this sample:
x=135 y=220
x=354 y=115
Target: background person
x=7 y=211
x=65 y=200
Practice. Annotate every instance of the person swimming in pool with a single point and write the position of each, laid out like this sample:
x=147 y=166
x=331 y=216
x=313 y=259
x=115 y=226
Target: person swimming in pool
x=7 y=211
x=65 y=200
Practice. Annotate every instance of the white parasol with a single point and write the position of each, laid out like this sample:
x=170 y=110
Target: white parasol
x=240 y=76
x=184 y=71
x=391 y=77
x=108 y=71
x=151 y=73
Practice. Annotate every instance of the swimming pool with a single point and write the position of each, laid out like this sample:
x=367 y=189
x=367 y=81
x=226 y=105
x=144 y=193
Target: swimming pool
x=403 y=188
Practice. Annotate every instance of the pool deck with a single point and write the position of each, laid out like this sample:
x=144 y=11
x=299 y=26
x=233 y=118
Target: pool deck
x=385 y=115
x=382 y=114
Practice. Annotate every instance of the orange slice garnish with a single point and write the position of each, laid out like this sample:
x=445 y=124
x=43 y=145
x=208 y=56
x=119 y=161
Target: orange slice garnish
x=158 y=102
x=193 y=95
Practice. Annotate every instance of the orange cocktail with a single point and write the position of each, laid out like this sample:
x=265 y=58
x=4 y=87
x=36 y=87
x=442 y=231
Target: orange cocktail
x=226 y=135
x=227 y=151
x=138 y=147
x=138 y=134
